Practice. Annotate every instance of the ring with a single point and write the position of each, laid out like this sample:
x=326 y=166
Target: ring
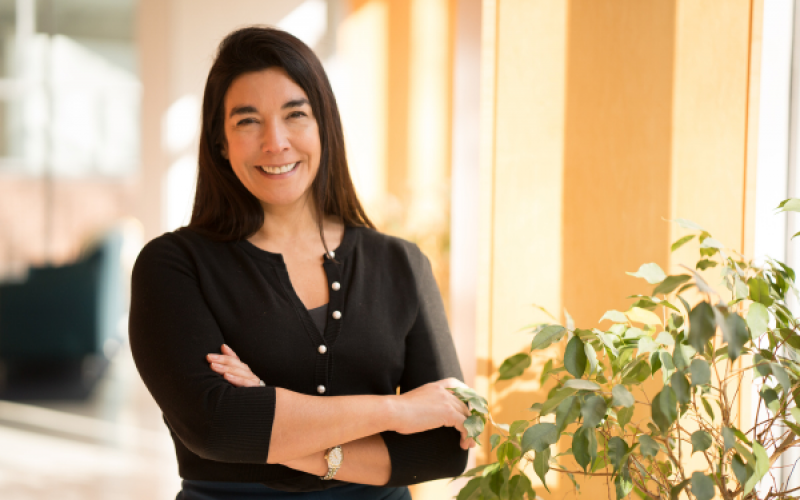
x=261 y=383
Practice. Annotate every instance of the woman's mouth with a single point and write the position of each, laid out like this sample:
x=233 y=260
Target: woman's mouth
x=278 y=169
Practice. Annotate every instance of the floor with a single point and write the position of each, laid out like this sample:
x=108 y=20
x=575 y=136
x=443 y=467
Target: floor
x=112 y=446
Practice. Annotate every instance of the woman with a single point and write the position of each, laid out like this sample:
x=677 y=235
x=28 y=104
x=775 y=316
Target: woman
x=281 y=266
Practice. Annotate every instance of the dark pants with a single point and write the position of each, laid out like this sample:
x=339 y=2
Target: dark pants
x=212 y=490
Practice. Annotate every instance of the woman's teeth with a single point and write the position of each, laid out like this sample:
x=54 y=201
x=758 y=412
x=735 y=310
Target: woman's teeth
x=281 y=169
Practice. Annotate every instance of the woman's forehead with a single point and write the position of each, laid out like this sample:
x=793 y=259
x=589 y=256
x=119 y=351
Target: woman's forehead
x=266 y=88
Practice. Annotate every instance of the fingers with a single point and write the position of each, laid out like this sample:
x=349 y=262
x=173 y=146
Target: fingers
x=228 y=351
x=241 y=381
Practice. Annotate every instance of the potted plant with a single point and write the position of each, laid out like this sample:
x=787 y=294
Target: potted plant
x=704 y=354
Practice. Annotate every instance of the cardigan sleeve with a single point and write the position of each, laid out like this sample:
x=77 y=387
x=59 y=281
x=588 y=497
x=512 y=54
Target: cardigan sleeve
x=430 y=356
x=171 y=331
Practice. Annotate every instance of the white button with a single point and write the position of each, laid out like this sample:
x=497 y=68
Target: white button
x=336 y=315
x=331 y=254
x=321 y=389
x=336 y=286
x=322 y=349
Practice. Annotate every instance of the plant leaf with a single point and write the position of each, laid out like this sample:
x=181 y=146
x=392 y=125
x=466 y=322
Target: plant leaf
x=712 y=243
x=541 y=465
x=575 y=357
x=759 y=291
x=781 y=376
x=567 y=412
x=687 y=224
x=622 y=397
x=757 y=319
x=514 y=366
x=556 y=399
x=494 y=441
x=789 y=205
x=470 y=491
x=474 y=425
x=651 y=272
x=615 y=316
x=665 y=409
x=624 y=416
x=593 y=411
x=708 y=408
x=617 y=451
x=680 y=242
x=734 y=332
x=580 y=447
x=740 y=470
x=671 y=283
x=701 y=373
x=702 y=486
x=583 y=385
x=639 y=315
x=591 y=357
x=701 y=326
x=665 y=339
x=675 y=491
x=729 y=438
x=701 y=441
x=760 y=468
x=539 y=437
x=547 y=335
x=681 y=387
x=648 y=445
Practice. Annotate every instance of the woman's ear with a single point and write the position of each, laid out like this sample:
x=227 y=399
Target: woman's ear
x=223 y=150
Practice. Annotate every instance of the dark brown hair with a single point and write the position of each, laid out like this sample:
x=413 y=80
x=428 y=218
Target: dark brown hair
x=223 y=208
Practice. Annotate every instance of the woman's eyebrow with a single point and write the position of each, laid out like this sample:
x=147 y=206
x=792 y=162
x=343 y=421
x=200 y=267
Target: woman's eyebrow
x=296 y=103
x=242 y=110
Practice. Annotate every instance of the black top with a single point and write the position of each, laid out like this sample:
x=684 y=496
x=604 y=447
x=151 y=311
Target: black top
x=190 y=295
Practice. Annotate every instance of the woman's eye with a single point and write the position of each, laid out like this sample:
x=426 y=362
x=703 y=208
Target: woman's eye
x=297 y=114
x=246 y=121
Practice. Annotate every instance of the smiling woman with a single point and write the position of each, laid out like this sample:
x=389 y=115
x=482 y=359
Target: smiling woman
x=275 y=330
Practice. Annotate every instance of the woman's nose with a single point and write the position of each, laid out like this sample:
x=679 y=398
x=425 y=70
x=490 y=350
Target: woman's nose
x=275 y=138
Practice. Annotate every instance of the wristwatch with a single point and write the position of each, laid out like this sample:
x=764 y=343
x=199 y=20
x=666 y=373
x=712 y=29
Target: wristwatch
x=334 y=458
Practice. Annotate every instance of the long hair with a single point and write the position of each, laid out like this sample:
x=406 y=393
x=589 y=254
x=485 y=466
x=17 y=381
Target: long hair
x=223 y=208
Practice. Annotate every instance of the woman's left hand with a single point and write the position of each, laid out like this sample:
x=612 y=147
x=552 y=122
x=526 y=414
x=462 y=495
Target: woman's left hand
x=232 y=368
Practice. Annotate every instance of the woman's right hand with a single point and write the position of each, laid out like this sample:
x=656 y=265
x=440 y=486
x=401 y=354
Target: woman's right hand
x=431 y=406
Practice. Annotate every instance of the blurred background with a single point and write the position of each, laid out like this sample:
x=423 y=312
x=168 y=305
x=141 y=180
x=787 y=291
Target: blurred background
x=534 y=149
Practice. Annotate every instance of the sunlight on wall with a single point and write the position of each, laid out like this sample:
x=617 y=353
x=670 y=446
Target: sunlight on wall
x=308 y=22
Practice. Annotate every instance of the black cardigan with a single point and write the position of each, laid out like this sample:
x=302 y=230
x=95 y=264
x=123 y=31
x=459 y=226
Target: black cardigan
x=191 y=294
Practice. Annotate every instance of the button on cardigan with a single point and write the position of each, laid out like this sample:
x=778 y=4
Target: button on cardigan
x=386 y=328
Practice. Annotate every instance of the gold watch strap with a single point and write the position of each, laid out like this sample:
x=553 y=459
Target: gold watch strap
x=334 y=457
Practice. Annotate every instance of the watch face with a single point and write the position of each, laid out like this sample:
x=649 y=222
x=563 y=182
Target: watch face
x=335 y=456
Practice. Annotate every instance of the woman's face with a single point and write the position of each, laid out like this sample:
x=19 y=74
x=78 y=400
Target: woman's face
x=271 y=137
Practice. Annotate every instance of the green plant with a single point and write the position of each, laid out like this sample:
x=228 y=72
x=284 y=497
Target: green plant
x=703 y=355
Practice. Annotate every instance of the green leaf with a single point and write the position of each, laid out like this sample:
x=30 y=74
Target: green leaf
x=591 y=357
x=675 y=491
x=701 y=441
x=622 y=397
x=760 y=468
x=729 y=437
x=650 y=272
x=575 y=357
x=665 y=339
x=708 y=408
x=519 y=486
x=547 y=335
x=795 y=413
x=665 y=409
x=494 y=440
x=548 y=367
x=584 y=385
x=517 y=426
x=671 y=283
x=770 y=398
x=470 y=491
x=681 y=356
x=648 y=445
x=740 y=470
x=781 y=376
x=680 y=242
x=539 y=437
x=593 y=411
x=567 y=412
x=514 y=366
x=541 y=465
x=789 y=205
x=639 y=315
x=681 y=387
x=623 y=484
x=474 y=425
x=556 y=399
x=759 y=291
x=701 y=326
x=734 y=332
x=757 y=319
x=702 y=486
x=584 y=447
x=701 y=373
x=705 y=264
x=624 y=416
x=712 y=243
x=617 y=452
x=615 y=316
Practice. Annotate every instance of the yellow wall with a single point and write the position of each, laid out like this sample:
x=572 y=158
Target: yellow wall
x=600 y=120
